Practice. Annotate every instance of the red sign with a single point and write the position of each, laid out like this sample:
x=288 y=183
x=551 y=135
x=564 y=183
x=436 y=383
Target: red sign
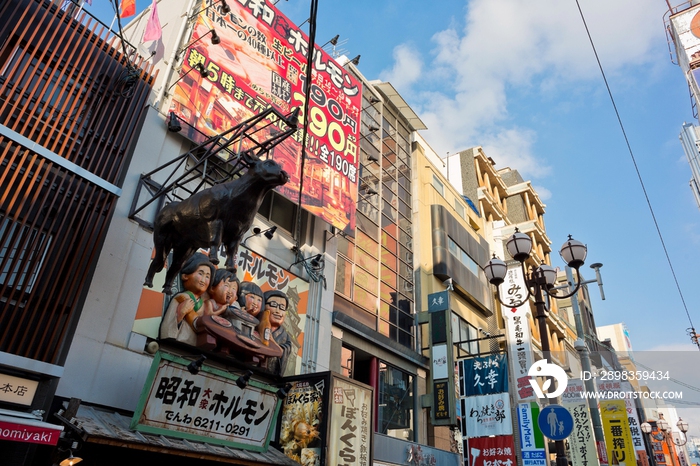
x=260 y=61
x=483 y=451
x=38 y=432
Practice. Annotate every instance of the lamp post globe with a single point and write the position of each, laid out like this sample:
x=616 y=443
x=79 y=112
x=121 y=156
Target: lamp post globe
x=495 y=271
x=646 y=427
x=682 y=425
x=519 y=246
x=549 y=273
x=573 y=252
x=661 y=424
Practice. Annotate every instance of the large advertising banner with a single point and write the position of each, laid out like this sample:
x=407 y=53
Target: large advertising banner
x=632 y=418
x=251 y=267
x=582 y=445
x=208 y=406
x=259 y=62
x=616 y=430
x=520 y=350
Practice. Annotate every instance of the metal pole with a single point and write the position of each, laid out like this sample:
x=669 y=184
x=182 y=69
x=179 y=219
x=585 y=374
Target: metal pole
x=537 y=283
x=584 y=353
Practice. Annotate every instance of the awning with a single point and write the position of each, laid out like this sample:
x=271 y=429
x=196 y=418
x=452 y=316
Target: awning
x=17 y=426
x=110 y=428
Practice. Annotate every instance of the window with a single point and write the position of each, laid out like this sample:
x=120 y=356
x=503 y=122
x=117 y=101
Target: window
x=459 y=207
x=395 y=410
x=23 y=253
x=462 y=256
x=437 y=184
x=464 y=335
x=279 y=210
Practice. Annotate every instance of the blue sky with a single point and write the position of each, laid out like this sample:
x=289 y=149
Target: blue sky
x=520 y=79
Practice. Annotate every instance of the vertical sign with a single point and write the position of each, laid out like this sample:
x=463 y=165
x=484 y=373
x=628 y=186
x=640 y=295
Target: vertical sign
x=441 y=400
x=519 y=350
x=632 y=419
x=616 y=429
x=513 y=290
x=350 y=423
x=484 y=375
x=443 y=412
x=304 y=413
x=490 y=451
x=581 y=441
x=531 y=438
x=487 y=415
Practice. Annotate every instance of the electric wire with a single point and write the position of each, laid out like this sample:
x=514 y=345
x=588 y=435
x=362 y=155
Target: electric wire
x=636 y=168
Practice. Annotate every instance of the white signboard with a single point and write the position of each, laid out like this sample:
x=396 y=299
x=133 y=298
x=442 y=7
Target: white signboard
x=17 y=390
x=439 y=362
x=520 y=351
x=350 y=424
x=487 y=415
x=582 y=445
x=208 y=406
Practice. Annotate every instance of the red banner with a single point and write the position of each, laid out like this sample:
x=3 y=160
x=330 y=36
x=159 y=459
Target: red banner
x=38 y=432
x=484 y=451
x=259 y=62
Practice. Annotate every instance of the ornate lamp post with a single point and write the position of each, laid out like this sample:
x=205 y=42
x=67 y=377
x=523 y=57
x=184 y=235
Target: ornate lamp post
x=665 y=434
x=539 y=283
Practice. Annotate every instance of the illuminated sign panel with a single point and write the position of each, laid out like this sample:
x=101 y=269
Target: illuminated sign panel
x=261 y=61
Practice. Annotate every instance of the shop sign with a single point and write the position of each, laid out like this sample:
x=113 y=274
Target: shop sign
x=207 y=407
x=491 y=451
x=487 y=415
x=350 y=423
x=531 y=438
x=484 y=375
x=17 y=390
x=616 y=429
x=304 y=412
x=581 y=441
x=520 y=350
x=28 y=431
x=441 y=400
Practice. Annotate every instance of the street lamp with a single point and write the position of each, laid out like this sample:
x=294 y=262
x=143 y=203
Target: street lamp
x=539 y=282
x=665 y=434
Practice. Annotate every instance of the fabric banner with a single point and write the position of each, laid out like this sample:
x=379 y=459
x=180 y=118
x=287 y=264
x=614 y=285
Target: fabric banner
x=616 y=429
x=490 y=451
x=531 y=438
x=483 y=375
x=486 y=415
x=520 y=350
x=582 y=447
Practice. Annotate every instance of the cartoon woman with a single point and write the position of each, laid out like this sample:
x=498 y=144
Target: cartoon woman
x=179 y=320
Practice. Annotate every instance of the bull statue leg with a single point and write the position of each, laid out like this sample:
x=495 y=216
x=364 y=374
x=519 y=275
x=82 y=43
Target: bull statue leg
x=216 y=230
x=162 y=247
x=180 y=255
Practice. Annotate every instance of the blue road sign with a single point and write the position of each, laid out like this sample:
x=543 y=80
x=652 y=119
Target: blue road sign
x=555 y=422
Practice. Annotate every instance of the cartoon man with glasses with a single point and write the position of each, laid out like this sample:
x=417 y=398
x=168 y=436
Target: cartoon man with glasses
x=276 y=302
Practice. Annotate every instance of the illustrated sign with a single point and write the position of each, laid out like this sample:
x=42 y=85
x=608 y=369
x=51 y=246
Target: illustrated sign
x=261 y=62
x=351 y=423
x=304 y=413
x=251 y=267
x=17 y=390
x=483 y=375
x=618 y=439
x=520 y=350
x=582 y=445
x=487 y=415
x=490 y=451
x=531 y=439
x=555 y=422
x=207 y=407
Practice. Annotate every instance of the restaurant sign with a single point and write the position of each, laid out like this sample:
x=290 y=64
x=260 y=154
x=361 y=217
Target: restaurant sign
x=207 y=407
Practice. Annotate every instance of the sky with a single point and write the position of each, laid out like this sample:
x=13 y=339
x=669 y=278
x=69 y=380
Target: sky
x=520 y=79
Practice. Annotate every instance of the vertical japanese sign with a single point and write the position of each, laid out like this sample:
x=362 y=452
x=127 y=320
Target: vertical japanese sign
x=513 y=290
x=350 y=423
x=531 y=438
x=483 y=375
x=616 y=429
x=441 y=400
x=261 y=62
x=207 y=407
x=519 y=350
x=632 y=418
x=581 y=441
x=303 y=421
x=490 y=451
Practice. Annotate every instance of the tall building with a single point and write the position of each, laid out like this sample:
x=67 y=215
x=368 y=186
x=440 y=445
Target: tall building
x=71 y=105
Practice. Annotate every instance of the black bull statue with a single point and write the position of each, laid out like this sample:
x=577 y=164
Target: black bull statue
x=209 y=218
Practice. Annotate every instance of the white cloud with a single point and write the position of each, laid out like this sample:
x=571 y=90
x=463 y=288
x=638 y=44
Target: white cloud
x=408 y=67
x=510 y=45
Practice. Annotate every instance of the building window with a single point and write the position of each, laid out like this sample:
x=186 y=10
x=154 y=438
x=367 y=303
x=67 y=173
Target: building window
x=395 y=411
x=437 y=184
x=23 y=252
x=464 y=336
x=459 y=208
x=462 y=256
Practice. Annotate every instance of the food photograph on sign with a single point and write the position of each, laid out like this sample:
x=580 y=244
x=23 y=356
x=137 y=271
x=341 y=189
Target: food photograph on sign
x=302 y=421
x=259 y=62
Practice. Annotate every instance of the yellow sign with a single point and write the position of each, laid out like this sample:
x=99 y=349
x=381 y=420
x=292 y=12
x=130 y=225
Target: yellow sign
x=17 y=390
x=618 y=439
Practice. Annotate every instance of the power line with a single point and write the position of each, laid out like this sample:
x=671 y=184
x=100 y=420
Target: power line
x=639 y=175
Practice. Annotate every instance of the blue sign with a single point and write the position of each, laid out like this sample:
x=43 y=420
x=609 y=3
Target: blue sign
x=555 y=422
x=483 y=375
x=439 y=301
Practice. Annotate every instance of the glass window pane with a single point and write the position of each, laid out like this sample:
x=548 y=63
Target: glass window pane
x=395 y=411
x=366 y=280
x=366 y=261
x=388 y=276
x=343 y=277
x=365 y=300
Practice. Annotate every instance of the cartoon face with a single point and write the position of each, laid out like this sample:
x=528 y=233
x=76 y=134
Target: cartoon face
x=253 y=304
x=220 y=292
x=277 y=306
x=198 y=281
